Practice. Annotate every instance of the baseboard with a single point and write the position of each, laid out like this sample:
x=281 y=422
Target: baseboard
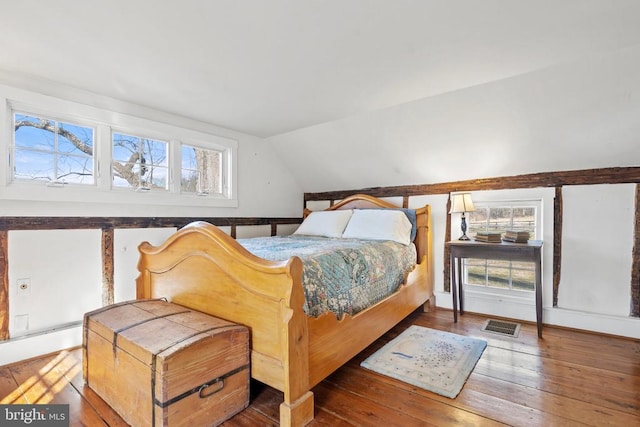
x=523 y=309
x=28 y=347
x=623 y=326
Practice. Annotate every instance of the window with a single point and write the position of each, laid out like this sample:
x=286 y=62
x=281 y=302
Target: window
x=52 y=151
x=139 y=163
x=63 y=151
x=202 y=171
x=499 y=217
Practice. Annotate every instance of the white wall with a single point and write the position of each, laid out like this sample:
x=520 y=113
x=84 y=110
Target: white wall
x=125 y=257
x=74 y=256
x=64 y=271
x=596 y=247
x=64 y=266
x=265 y=185
x=578 y=115
x=597 y=232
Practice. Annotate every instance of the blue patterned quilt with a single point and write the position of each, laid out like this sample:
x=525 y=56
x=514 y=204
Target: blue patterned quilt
x=340 y=275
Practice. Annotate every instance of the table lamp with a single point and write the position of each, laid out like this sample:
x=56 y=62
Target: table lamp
x=461 y=203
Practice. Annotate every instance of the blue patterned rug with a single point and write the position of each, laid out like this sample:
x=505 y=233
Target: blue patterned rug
x=430 y=359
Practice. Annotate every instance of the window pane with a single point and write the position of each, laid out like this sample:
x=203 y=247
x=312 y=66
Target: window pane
x=75 y=169
x=499 y=277
x=498 y=273
x=30 y=132
x=75 y=139
x=124 y=147
x=118 y=180
x=33 y=165
x=499 y=219
x=523 y=276
x=154 y=152
x=477 y=275
x=48 y=150
x=478 y=219
x=156 y=178
x=201 y=170
x=139 y=162
x=501 y=274
x=524 y=219
x=189 y=182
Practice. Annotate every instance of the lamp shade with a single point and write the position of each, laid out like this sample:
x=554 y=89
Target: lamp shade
x=461 y=202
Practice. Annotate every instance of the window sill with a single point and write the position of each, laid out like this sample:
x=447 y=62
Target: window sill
x=499 y=295
x=91 y=194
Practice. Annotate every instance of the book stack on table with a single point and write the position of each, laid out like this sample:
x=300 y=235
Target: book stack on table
x=516 y=236
x=488 y=236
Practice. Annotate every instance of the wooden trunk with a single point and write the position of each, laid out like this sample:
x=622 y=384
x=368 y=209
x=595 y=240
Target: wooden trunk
x=161 y=364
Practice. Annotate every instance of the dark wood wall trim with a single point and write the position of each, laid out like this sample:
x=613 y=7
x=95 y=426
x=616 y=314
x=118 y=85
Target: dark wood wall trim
x=635 y=266
x=4 y=285
x=107 y=225
x=557 y=243
x=447 y=258
x=107 y=267
x=617 y=175
x=85 y=223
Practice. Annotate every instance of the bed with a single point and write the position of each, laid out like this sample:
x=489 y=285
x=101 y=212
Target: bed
x=204 y=269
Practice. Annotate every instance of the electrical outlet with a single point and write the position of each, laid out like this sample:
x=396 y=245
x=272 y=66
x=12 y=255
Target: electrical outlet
x=23 y=286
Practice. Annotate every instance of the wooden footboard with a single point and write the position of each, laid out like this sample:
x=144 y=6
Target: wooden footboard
x=204 y=269
x=328 y=348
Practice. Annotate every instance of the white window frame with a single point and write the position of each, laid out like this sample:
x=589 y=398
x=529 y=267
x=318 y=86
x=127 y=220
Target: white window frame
x=19 y=108
x=474 y=288
x=170 y=160
x=225 y=156
x=105 y=122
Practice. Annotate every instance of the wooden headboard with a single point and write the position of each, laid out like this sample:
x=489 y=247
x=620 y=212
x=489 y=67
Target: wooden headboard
x=423 y=219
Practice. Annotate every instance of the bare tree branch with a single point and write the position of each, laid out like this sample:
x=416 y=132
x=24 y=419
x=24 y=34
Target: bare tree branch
x=47 y=125
x=125 y=171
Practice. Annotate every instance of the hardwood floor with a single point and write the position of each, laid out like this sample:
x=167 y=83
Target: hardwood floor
x=567 y=378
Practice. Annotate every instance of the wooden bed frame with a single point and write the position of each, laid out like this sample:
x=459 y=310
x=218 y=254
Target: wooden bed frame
x=204 y=269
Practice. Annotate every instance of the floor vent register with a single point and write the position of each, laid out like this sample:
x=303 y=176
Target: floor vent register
x=502 y=327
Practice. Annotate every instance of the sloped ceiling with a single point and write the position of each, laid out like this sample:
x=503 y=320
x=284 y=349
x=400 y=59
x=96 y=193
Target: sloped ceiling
x=268 y=67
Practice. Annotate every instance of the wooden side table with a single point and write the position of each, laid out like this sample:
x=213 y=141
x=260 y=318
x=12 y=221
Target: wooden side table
x=529 y=252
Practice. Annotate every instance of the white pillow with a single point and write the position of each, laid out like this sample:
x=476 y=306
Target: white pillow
x=325 y=223
x=379 y=224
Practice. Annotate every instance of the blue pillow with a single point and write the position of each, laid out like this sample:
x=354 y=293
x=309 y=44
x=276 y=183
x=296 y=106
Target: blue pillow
x=411 y=215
